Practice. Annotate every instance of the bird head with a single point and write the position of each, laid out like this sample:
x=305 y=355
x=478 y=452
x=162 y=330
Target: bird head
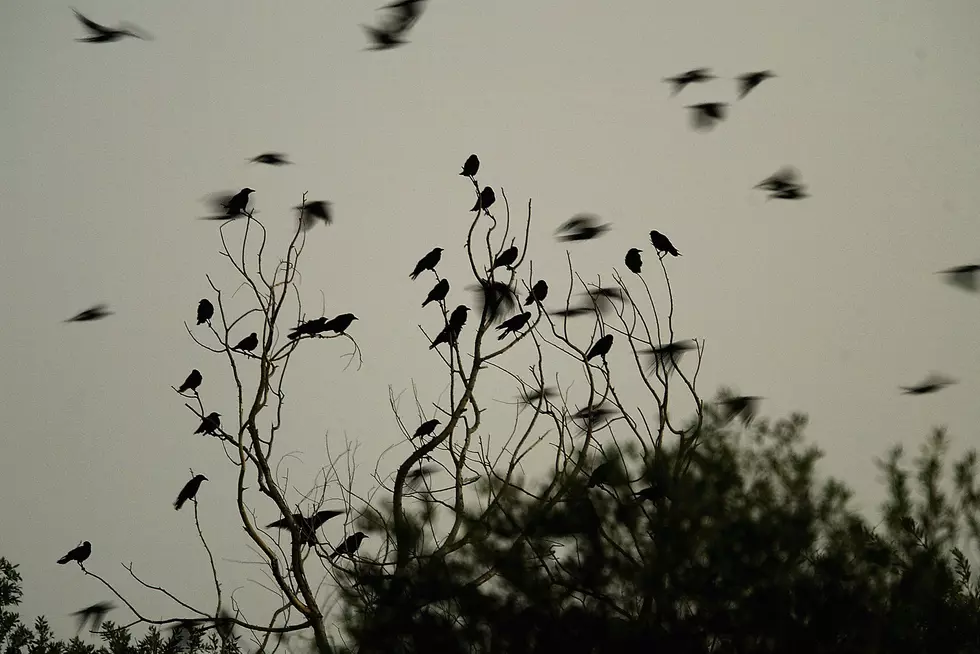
x=248 y=190
x=203 y=478
x=86 y=544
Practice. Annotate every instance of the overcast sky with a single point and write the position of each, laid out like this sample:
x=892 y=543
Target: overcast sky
x=823 y=306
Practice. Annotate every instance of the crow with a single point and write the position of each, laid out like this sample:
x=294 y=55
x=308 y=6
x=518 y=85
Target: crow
x=791 y=193
x=506 y=258
x=450 y=332
x=350 y=545
x=205 y=311
x=210 y=424
x=785 y=178
x=248 y=343
x=741 y=405
x=79 y=555
x=931 y=384
x=538 y=292
x=383 y=39
x=308 y=328
x=237 y=204
x=309 y=213
x=307 y=526
x=749 y=81
x=486 y=199
x=96 y=613
x=602 y=475
x=407 y=12
x=582 y=227
x=103 y=34
x=695 y=76
x=496 y=297
x=428 y=262
x=633 y=260
x=964 y=277
x=668 y=355
x=271 y=159
x=471 y=166
x=189 y=491
x=591 y=416
x=572 y=312
x=601 y=347
x=339 y=324
x=423 y=471
x=532 y=396
x=438 y=292
x=706 y=114
x=663 y=244
x=98 y=312
x=513 y=325
x=426 y=428
x=192 y=382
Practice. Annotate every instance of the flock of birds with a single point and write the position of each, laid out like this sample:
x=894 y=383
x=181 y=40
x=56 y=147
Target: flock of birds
x=784 y=184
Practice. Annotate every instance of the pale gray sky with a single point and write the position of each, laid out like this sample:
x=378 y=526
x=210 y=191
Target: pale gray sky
x=824 y=306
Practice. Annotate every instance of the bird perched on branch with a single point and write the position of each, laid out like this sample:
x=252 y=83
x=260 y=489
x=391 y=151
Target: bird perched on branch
x=210 y=424
x=350 y=545
x=205 y=311
x=428 y=262
x=103 y=34
x=79 y=555
x=663 y=244
x=513 y=325
x=602 y=474
x=486 y=199
x=471 y=166
x=307 y=526
x=601 y=348
x=438 y=292
x=538 y=292
x=248 y=343
x=192 y=382
x=633 y=260
x=339 y=324
x=189 y=491
x=426 y=429
x=506 y=258
x=451 y=331
x=98 y=312
x=308 y=328
x=694 y=76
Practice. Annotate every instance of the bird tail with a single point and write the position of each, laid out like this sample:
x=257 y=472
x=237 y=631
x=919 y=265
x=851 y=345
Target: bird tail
x=178 y=503
x=63 y=560
x=503 y=336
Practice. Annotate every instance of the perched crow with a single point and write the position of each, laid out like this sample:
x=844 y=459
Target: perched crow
x=307 y=526
x=428 y=262
x=538 y=292
x=602 y=475
x=506 y=258
x=210 y=424
x=189 y=491
x=964 y=277
x=308 y=328
x=311 y=212
x=745 y=406
x=271 y=159
x=663 y=244
x=706 y=114
x=695 y=76
x=486 y=199
x=98 y=312
x=582 y=227
x=237 y=204
x=340 y=323
x=79 y=554
x=349 y=546
x=426 y=428
x=103 y=34
x=205 y=310
x=471 y=166
x=248 y=343
x=383 y=38
x=192 y=382
x=438 y=292
x=228 y=206
x=96 y=613
x=601 y=347
x=749 y=81
x=513 y=325
x=931 y=384
x=450 y=332
x=633 y=260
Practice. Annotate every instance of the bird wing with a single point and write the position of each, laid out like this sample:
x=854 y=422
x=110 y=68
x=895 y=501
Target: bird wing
x=91 y=24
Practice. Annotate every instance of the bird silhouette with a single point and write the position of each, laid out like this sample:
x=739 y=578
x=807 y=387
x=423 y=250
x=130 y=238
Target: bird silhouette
x=405 y=14
x=572 y=312
x=603 y=474
x=745 y=406
x=496 y=298
x=633 y=260
x=964 y=277
x=532 y=396
x=103 y=34
x=694 y=76
x=95 y=613
x=601 y=348
x=791 y=193
x=451 y=331
x=189 y=491
x=248 y=343
x=192 y=382
x=438 y=292
x=237 y=204
x=663 y=244
x=471 y=166
x=486 y=199
x=79 y=555
x=538 y=292
x=307 y=526
x=350 y=545
x=706 y=114
x=748 y=81
x=582 y=227
x=228 y=205
x=308 y=328
x=98 y=312
x=340 y=323
x=383 y=38
x=428 y=262
x=786 y=177
x=667 y=356
x=205 y=311
x=652 y=493
x=426 y=428
x=592 y=416
x=210 y=424
x=932 y=384
x=506 y=258
x=513 y=325
x=271 y=159
x=309 y=213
